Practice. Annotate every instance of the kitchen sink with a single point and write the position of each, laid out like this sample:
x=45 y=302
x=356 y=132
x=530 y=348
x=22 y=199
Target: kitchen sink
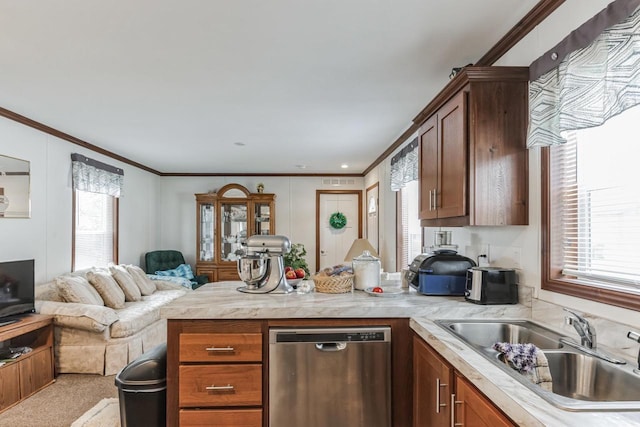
x=585 y=377
x=581 y=381
x=485 y=333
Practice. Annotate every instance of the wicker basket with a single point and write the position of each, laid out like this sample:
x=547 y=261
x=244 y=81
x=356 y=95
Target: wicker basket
x=333 y=284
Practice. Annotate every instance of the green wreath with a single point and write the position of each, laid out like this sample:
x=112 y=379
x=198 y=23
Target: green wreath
x=337 y=220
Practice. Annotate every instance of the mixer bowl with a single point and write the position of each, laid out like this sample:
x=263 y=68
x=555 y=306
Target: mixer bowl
x=253 y=269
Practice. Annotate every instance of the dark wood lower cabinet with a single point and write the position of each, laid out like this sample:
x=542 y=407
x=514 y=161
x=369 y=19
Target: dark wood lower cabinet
x=205 y=353
x=473 y=409
x=432 y=387
x=443 y=397
x=205 y=357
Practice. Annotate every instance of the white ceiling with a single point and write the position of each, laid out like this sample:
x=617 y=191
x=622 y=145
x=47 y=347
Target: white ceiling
x=174 y=85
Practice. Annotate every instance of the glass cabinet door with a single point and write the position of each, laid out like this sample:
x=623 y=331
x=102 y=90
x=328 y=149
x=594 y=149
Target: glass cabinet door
x=262 y=217
x=207 y=232
x=233 y=230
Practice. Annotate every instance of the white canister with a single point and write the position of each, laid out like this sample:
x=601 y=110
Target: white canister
x=366 y=269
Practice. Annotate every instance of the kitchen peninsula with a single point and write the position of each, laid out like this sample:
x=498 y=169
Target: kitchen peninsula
x=218 y=309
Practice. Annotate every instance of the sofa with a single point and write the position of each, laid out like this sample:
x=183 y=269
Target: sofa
x=98 y=328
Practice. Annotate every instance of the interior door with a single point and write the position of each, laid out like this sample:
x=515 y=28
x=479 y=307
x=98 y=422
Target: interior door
x=333 y=244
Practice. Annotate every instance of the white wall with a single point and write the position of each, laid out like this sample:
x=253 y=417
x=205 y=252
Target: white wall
x=519 y=246
x=46 y=236
x=295 y=208
x=155 y=212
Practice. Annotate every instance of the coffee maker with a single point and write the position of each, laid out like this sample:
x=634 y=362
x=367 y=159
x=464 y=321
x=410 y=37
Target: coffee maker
x=261 y=266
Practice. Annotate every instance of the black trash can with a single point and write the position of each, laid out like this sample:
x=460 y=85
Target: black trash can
x=142 y=390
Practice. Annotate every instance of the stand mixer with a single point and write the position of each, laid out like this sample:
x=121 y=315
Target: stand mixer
x=262 y=266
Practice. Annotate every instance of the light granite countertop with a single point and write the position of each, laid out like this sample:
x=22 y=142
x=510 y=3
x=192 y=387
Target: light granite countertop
x=222 y=301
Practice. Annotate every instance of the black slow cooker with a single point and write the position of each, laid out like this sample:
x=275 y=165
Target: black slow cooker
x=441 y=272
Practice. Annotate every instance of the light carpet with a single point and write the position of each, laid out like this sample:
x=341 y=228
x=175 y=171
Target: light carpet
x=105 y=413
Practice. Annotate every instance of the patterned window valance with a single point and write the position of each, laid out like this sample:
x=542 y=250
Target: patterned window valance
x=582 y=82
x=404 y=166
x=96 y=177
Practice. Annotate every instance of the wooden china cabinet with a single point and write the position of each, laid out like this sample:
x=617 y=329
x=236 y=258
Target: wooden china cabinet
x=224 y=220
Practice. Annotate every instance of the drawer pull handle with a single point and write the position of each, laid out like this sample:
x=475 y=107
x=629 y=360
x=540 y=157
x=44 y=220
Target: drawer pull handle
x=220 y=348
x=214 y=387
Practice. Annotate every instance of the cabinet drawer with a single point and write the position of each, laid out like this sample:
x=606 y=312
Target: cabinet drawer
x=227 y=275
x=220 y=385
x=220 y=347
x=221 y=418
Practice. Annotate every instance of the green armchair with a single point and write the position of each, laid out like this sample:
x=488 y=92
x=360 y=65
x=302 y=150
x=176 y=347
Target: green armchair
x=168 y=260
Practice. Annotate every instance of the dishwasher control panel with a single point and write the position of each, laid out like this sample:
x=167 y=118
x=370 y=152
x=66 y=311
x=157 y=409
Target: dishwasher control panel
x=331 y=335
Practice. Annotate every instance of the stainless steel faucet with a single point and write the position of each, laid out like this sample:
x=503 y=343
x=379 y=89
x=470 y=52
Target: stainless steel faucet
x=635 y=337
x=586 y=331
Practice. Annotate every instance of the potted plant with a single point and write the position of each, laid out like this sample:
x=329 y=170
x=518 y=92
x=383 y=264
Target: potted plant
x=295 y=258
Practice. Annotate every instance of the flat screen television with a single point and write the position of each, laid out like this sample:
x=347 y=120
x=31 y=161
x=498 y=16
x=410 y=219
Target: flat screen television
x=17 y=290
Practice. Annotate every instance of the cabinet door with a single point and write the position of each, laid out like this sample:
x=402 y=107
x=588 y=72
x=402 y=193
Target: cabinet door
x=233 y=229
x=210 y=272
x=9 y=385
x=428 y=167
x=451 y=200
x=432 y=387
x=473 y=409
x=36 y=371
x=262 y=218
x=206 y=231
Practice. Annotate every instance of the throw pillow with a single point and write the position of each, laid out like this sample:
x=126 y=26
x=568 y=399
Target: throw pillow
x=183 y=270
x=107 y=287
x=126 y=283
x=77 y=289
x=146 y=285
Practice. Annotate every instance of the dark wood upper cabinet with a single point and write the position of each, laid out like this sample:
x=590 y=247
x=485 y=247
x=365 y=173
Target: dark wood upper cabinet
x=473 y=157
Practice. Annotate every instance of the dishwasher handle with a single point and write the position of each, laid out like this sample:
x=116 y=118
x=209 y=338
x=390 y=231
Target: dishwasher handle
x=331 y=346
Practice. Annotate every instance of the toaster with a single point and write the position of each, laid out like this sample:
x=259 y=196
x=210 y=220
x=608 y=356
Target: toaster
x=491 y=285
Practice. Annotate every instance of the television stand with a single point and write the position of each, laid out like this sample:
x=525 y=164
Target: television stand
x=25 y=375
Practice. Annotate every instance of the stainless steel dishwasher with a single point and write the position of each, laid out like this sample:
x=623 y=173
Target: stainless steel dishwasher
x=338 y=377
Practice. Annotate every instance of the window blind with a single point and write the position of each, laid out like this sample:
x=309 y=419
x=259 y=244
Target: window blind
x=405 y=229
x=595 y=216
x=94 y=230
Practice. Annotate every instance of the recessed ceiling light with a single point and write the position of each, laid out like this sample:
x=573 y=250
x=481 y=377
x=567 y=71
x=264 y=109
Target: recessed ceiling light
x=344 y=166
x=239 y=144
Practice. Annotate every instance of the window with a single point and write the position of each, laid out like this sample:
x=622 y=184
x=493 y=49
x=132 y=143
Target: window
x=591 y=213
x=409 y=233
x=96 y=189
x=95 y=230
